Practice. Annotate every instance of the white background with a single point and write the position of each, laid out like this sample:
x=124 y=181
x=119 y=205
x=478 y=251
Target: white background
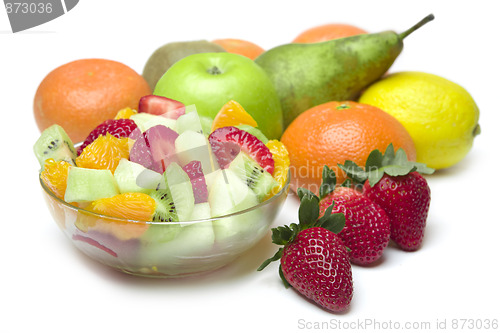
x=48 y=285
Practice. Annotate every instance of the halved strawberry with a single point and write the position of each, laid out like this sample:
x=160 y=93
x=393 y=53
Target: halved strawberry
x=116 y=127
x=159 y=105
x=222 y=141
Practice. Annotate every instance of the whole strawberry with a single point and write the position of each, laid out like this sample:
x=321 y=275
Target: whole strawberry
x=406 y=200
x=367 y=229
x=397 y=186
x=116 y=127
x=314 y=260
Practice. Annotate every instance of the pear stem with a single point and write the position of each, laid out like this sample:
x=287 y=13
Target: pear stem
x=422 y=22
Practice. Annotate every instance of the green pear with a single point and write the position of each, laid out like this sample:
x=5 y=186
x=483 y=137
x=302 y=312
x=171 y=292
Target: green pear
x=306 y=75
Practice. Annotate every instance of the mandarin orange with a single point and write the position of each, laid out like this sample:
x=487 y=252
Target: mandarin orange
x=239 y=46
x=55 y=175
x=82 y=94
x=334 y=132
x=328 y=32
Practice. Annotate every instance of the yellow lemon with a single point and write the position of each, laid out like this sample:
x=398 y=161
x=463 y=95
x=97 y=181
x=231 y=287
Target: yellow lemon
x=440 y=115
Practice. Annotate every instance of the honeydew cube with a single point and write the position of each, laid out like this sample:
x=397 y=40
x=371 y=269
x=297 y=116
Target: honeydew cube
x=174 y=248
x=85 y=184
x=201 y=211
x=229 y=194
x=194 y=146
x=181 y=190
x=189 y=121
x=134 y=177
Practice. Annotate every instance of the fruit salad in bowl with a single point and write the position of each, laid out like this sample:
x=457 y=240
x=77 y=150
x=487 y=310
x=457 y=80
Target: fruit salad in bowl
x=162 y=191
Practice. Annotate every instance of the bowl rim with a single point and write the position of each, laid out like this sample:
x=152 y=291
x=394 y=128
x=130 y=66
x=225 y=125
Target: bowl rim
x=48 y=191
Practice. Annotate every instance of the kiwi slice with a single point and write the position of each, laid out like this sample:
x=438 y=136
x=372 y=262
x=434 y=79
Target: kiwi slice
x=165 y=208
x=54 y=143
x=253 y=175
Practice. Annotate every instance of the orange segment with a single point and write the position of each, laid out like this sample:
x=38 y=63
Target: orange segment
x=105 y=152
x=55 y=175
x=281 y=163
x=132 y=206
x=125 y=113
x=232 y=114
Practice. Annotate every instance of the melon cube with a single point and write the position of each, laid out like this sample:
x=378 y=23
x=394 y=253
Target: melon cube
x=85 y=184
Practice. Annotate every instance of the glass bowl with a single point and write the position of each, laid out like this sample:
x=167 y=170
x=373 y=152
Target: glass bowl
x=164 y=249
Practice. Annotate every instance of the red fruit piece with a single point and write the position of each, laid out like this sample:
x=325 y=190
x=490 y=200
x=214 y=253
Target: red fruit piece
x=155 y=148
x=317 y=265
x=117 y=127
x=314 y=260
x=397 y=186
x=160 y=105
x=406 y=201
x=222 y=141
x=195 y=173
x=367 y=229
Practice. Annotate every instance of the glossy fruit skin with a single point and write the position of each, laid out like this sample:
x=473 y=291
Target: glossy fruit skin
x=306 y=75
x=317 y=265
x=367 y=228
x=326 y=32
x=334 y=132
x=406 y=201
x=166 y=55
x=440 y=115
x=82 y=94
x=117 y=127
x=210 y=80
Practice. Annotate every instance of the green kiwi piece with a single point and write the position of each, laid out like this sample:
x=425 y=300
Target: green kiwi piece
x=165 y=208
x=253 y=175
x=54 y=143
x=165 y=56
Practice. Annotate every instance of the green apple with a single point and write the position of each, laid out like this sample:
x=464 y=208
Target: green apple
x=210 y=80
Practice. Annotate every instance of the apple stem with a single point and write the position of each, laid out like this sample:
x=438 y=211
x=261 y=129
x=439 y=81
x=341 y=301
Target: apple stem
x=425 y=20
x=214 y=70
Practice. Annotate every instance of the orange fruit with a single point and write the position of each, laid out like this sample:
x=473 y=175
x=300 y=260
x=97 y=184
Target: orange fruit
x=232 y=114
x=239 y=46
x=328 y=32
x=334 y=132
x=105 y=152
x=82 y=94
x=281 y=164
x=55 y=175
